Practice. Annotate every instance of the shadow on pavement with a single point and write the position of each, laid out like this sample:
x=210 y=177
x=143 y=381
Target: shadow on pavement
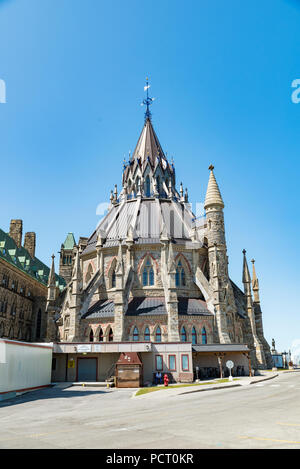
x=48 y=393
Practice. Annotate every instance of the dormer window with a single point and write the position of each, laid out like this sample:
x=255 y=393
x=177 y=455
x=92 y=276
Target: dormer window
x=147 y=187
x=158 y=184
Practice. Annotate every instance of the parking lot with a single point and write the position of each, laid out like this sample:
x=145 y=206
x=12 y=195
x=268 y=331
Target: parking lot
x=262 y=415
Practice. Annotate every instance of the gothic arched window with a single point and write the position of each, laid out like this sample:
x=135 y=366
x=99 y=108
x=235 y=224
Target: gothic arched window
x=91 y=336
x=101 y=335
x=147 y=334
x=194 y=336
x=204 y=336
x=113 y=279
x=135 y=334
x=158 y=334
x=148 y=274
x=183 y=334
x=110 y=336
x=180 y=276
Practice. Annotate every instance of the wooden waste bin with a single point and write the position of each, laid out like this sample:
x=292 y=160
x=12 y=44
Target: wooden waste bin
x=129 y=370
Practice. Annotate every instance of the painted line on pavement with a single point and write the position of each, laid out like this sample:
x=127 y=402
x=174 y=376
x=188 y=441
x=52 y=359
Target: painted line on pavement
x=269 y=439
x=33 y=435
x=289 y=424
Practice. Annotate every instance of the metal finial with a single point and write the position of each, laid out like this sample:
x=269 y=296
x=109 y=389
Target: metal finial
x=148 y=101
x=244 y=251
x=211 y=167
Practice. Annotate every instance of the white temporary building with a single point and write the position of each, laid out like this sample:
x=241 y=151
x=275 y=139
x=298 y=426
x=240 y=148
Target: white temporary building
x=24 y=366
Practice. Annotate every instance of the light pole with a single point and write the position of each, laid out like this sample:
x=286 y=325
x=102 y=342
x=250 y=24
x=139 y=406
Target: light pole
x=197 y=374
x=284 y=359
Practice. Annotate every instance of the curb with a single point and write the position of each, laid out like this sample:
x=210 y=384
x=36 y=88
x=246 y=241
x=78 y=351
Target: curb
x=264 y=379
x=218 y=386
x=210 y=389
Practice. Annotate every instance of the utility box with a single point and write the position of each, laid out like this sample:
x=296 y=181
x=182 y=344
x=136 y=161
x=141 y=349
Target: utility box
x=129 y=370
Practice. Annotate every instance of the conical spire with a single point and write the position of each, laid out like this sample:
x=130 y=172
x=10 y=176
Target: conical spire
x=255 y=284
x=51 y=287
x=246 y=274
x=213 y=195
x=148 y=147
x=51 y=278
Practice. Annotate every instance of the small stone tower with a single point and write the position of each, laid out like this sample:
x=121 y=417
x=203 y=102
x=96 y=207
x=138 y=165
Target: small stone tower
x=258 y=356
x=66 y=261
x=258 y=317
x=51 y=334
x=217 y=254
x=74 y=330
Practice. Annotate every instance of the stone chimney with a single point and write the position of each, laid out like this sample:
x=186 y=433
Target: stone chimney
x=29 y=243
x=15 y=231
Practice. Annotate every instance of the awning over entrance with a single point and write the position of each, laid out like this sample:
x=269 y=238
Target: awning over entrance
x=213 y=348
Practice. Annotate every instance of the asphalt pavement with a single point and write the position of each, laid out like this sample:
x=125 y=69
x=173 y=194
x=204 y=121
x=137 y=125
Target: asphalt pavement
x=265 y=414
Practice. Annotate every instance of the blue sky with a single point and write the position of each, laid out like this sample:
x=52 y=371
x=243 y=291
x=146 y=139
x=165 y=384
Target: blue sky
x=221 y=72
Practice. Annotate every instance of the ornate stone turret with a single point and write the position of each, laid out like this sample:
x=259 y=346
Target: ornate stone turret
x=258 y=317
x=51 y=282
x=74 y=331
x=257 y=355
x=217 y=253
x=51 y=334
